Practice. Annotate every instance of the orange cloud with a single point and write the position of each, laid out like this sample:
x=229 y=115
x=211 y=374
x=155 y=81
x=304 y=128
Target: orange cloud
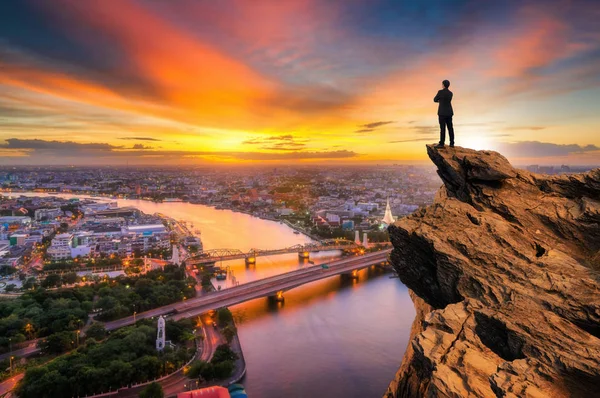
x=197 y=80
x=538 y=44
x=264 y=68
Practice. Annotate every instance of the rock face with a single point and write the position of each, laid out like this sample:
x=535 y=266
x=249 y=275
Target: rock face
x=504 y=270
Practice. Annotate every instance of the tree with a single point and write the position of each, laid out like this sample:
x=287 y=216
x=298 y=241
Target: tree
x=229 y=333
x=223 y=370
x=207 y=371
x=51 y=280
x=153 y=390
x=7 y=270
x=224 y=317
x=10 y=287
x=69 y=278
x=96 y=331
x=30 y=283
x=223 y=353
x=58 y=343
x=195 y=369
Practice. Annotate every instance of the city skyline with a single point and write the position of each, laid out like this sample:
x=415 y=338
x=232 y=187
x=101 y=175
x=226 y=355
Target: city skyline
x=303 y=81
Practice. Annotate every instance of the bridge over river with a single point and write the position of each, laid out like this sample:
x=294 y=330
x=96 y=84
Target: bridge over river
x=212 y=256
x=272 y=286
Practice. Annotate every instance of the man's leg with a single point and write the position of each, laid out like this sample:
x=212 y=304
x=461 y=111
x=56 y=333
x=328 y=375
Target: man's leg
x=450 y=130
x=442 y=129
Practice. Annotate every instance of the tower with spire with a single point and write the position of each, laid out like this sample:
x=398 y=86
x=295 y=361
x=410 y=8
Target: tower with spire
x=388 y=218
x=160 y=334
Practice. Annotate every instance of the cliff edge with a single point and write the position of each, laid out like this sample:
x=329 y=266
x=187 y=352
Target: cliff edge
x=504 y=271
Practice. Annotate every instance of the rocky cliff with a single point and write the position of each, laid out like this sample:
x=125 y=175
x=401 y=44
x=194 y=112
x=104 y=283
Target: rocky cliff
x=504 y=270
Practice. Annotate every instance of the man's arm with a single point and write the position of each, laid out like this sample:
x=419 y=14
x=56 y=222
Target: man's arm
x=437 y=97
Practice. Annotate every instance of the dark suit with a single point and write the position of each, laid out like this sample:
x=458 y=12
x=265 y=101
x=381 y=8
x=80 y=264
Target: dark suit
x=445 y=113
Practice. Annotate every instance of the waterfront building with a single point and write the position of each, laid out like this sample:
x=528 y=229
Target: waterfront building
x=147 y=230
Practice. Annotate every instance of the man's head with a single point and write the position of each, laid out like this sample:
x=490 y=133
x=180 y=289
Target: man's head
x=446 y=83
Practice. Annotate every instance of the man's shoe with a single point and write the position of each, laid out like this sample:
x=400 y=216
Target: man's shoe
x=439 y=146
x=451 y=145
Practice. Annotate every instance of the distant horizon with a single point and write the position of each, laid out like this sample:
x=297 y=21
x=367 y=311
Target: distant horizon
x=298 y=81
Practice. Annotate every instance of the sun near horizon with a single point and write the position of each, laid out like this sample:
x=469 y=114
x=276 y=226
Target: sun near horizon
x=294 y=82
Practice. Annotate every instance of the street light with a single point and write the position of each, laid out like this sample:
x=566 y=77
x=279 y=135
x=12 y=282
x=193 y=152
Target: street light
x=11 y=364
x=78 y=338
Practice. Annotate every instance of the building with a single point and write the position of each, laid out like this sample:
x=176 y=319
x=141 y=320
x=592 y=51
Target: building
x=367 y=206
x=60 y=248
x=47 y=214
x=91 y=208
x=233 y=391
x=18 y=239
x=388 y=218
x=15 y=222
x=332 y=218
x=147 y=230
x=285 y=211
x=208 y=392
x=348 y=225
x=119 y=212
x=4 y=248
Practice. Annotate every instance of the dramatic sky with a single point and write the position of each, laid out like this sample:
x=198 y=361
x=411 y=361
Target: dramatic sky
x=248 y=81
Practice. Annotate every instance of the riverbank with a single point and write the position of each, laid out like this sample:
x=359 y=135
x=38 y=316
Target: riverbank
x=301 y=230
x=93 y=196
x=327 y=325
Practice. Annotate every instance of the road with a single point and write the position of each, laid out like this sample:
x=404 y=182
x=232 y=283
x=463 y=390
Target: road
x=214 y=255
x=247 y=291
x=9 y=384
x=22 y=352
x=260 y=288
x=177 y=382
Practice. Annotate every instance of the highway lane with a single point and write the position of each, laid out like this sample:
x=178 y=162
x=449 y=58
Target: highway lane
x=241 y=293
x=255 y=289
x=22 y=352
x=8 y=384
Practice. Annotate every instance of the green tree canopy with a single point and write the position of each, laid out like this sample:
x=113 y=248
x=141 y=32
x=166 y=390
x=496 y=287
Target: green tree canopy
x=153 y=390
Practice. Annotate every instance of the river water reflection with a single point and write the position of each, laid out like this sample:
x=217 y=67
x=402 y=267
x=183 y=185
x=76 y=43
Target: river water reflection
x=336 y=337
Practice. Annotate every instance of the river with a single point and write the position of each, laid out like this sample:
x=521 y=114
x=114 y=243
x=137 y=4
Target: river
x=337 y=337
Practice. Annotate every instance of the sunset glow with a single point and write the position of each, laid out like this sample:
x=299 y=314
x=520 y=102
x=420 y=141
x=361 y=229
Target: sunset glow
x=236 y=81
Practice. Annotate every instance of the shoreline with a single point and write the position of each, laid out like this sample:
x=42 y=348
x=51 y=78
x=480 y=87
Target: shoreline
x=112 y=197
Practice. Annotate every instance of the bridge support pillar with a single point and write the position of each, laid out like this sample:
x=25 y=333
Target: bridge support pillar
x=250 y=260
x=278 y=297
x=304 y=254
x=351 y=275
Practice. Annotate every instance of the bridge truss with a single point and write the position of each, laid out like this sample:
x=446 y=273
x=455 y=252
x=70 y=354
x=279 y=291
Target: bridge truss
x=214 y=255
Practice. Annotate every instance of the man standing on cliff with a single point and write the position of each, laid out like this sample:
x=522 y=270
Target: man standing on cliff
x=445 y=113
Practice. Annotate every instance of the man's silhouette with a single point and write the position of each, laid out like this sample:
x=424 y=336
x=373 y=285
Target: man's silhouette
x=445 y=113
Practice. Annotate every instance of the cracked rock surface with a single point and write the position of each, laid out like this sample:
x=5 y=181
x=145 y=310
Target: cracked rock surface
x=504 y=271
